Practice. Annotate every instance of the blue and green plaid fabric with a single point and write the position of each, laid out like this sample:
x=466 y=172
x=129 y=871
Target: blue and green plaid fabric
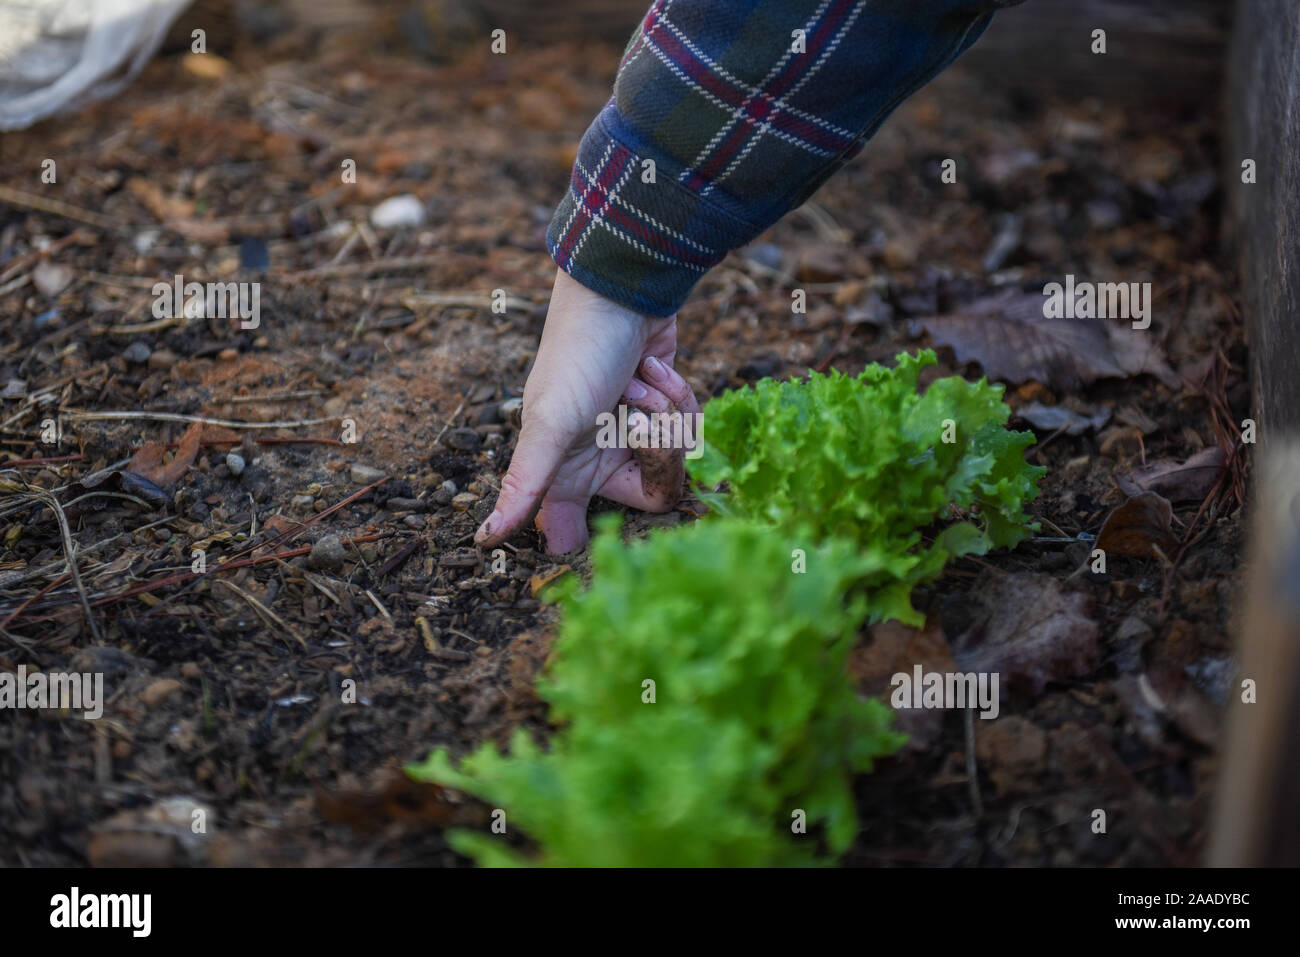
x=726 y=115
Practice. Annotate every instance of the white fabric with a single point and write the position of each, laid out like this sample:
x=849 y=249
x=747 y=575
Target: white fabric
x=60 y=53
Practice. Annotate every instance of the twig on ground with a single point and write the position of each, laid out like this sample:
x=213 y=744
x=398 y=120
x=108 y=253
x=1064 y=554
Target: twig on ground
x=972 y=770
x=84 y=416
x=69 y=551
x=43 y=204
x=262 y=611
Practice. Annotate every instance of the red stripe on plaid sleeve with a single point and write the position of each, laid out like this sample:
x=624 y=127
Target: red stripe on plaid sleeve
x=641 y=230
x=606 y=177
x=710 y=81
x=651 y=17
x=795 y=68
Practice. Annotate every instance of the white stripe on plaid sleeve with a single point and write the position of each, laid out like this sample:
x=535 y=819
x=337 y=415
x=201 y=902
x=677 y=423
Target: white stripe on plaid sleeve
x=780 y=102
x=645 y=217
x=767 y=124
x=581 y=200
x=724 y=105
x=599 y=214
x=741 y=112
x=618 y=233
x=644 y=43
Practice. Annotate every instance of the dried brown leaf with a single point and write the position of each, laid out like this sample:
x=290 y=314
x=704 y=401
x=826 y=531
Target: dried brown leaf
x=148 y=459
x=1050 y=418
x=1188 y=481
x=1009 y=337
x=1138 y=352
x=1030 y=631
x=1139 y=527
x=895 y=648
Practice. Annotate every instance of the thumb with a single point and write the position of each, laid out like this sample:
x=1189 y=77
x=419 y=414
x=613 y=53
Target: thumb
x=538 y=456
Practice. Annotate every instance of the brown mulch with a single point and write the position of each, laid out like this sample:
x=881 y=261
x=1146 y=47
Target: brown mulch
x=225 y=688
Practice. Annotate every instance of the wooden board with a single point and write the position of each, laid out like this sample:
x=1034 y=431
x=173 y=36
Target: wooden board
x=1264 y=218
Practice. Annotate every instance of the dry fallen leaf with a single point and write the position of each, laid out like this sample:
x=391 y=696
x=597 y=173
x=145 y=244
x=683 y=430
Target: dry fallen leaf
x=1012 y=752
x=281 y=524
x=1009 y=337
x=1163 y=694
x=397 y=801
x=148 y=460
x=1050 y=418
x=895 y=648
x=1138 y=351
x=1188 y=481
x=1139 y=527
x=1030 y=631
x=539 y=581
x=1131 y=415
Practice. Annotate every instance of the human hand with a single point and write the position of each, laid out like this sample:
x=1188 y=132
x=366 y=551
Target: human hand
x=594 y=353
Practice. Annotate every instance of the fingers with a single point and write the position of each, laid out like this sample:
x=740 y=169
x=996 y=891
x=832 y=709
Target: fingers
x=661 y=429
x=662 y=340
x=563 y=524
x=537 y=458
x=662 y=376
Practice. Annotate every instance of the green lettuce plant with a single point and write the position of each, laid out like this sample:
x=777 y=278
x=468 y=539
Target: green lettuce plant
x=872 y=460
x=753 y=717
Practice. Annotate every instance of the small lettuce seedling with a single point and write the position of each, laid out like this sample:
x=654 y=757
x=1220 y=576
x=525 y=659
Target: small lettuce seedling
x=701 y=689
x=871 y=460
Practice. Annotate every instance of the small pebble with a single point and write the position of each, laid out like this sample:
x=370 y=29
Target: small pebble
x=136 y=352
x=301 y=502
x=365 y=474
x=146 y=240
x=162 y=359
x=464 y=500
x=397 y=212
x=50 y=279
x=235 y=462
x=463 y=440
x=159 y=691
x=327 y=554
x=511 y=411
x=414 y=521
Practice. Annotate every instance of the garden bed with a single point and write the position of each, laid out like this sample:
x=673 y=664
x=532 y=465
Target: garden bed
x=227 y=691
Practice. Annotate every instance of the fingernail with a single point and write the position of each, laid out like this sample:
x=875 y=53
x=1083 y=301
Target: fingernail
x=635 y=390
x=488 y=525
x=655 y=370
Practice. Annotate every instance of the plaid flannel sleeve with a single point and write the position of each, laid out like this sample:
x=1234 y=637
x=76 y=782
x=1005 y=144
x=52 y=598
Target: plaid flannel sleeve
x=726 y=115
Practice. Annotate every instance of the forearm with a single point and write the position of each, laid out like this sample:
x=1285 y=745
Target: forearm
x=724 y=118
